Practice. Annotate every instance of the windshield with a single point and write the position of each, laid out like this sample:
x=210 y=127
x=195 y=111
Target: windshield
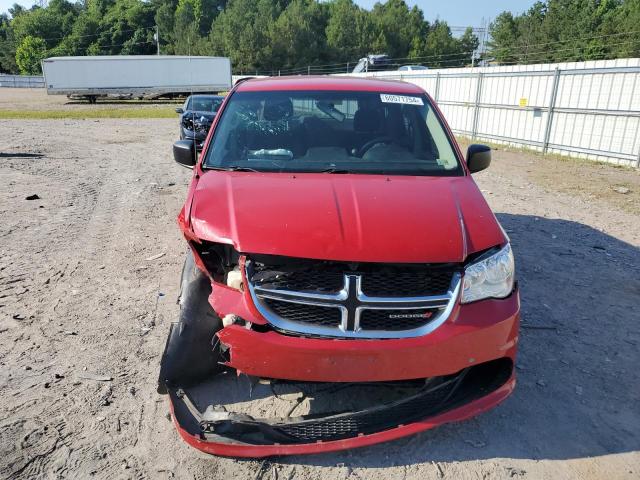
x=336 y=132
x=204 y=104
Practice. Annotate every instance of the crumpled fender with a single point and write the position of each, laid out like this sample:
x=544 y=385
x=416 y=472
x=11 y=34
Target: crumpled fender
x=192 y=350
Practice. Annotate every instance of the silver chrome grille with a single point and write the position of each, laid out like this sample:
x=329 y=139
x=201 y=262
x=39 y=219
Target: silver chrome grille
x=349 y=312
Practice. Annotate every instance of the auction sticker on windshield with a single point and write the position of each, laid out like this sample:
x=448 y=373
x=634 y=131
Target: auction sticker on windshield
x=387 y=98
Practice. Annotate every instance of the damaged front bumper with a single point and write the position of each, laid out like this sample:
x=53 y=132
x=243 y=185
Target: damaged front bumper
x=462 y=368
x=474 y=333
x=439 y=400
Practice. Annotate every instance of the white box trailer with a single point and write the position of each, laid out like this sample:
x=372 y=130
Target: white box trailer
x=147 y=76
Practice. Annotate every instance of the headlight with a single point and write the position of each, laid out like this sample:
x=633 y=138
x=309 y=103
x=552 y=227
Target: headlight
x=491 y=277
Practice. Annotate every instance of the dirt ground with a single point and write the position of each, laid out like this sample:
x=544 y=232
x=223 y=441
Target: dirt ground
x=89 y=277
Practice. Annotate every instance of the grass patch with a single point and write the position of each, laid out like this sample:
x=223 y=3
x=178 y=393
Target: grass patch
x=82 y=113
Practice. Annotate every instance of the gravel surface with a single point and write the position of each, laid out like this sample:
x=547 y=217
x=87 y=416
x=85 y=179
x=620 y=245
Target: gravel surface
x=37 y=99
x=86 y=299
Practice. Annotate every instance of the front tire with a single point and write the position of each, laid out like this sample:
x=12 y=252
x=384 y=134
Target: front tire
x=192 y=350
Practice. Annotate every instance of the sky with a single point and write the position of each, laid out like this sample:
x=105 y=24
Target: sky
x=454 y=12
x=464 y=13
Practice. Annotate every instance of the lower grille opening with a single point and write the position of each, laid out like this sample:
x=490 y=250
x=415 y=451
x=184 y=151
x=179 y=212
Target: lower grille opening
x=436 y=396
x=298 y=312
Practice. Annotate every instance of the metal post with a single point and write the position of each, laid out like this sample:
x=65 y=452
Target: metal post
x=347 y=67
x=552 y=106
x=476 y=111
x=436 y=94
x=638 y=160
x=308 y=69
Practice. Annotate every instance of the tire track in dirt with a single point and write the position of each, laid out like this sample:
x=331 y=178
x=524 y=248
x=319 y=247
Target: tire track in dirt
x=110 y=207
x=50 y=240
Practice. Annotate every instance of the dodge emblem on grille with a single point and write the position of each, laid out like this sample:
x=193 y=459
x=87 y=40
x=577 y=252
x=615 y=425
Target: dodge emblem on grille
x=411 y=315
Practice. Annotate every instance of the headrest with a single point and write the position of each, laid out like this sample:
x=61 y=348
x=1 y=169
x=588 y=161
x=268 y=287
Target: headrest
x=367 y=120
x=278 y=109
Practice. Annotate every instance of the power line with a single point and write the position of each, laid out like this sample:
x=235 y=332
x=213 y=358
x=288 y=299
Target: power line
x=448 y=58
x=110 y=46
x=576 y=39
x=98 y=34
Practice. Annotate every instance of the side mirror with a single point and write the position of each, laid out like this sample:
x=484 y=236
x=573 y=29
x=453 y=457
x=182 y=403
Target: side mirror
x=184 y=153
x=478 y=157
x=180 y=110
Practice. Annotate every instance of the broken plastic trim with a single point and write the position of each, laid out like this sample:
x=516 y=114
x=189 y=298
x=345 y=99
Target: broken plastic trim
x=217 y=258
x=439 y=395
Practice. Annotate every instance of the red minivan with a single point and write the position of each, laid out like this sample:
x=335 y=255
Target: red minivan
x=336 y=235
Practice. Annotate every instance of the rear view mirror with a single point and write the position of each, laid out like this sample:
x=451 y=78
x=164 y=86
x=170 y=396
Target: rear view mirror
x=184 y=153
x=478 y=157
x=179 y=110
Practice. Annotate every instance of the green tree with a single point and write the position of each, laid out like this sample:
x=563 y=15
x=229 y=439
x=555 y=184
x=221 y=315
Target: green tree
x=186 y=30
x=298 y=37
x=52 y=24
x=7 y=46
x=468 y=44
x=242 y=32
x=272 y=35
x=29 y=54
x=349 y=31
x=397 y=26
x=164 y=19
x=441 y=49
x=567 y=30
x=620 y=24
x=126 y=28
x=504 y=33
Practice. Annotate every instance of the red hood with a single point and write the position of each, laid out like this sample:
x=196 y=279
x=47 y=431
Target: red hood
x=364 y=218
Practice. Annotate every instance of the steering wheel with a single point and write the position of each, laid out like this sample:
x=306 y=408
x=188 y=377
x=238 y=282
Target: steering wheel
x=367 y=146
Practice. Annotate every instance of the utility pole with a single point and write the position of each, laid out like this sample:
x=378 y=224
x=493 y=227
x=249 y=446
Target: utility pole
x=156 y=37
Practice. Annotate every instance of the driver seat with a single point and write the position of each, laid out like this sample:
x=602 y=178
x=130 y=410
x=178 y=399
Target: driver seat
x=367 y=125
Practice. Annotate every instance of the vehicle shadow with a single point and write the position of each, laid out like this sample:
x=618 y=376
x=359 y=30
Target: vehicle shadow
x=578 y=376
x=21 y=155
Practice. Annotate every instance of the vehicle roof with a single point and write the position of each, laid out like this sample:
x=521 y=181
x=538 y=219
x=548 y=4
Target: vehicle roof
x=345 y=83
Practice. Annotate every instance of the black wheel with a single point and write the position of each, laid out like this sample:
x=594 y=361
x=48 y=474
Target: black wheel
x=192 y=351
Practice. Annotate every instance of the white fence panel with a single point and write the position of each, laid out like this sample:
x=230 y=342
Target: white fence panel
x=21 y=81
x=583 y=109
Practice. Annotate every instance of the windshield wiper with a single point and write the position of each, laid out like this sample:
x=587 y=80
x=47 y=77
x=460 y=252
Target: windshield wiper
x=233 y=168
x=334 y=170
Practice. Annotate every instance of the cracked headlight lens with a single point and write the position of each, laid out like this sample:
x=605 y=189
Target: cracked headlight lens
x=491 y=277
